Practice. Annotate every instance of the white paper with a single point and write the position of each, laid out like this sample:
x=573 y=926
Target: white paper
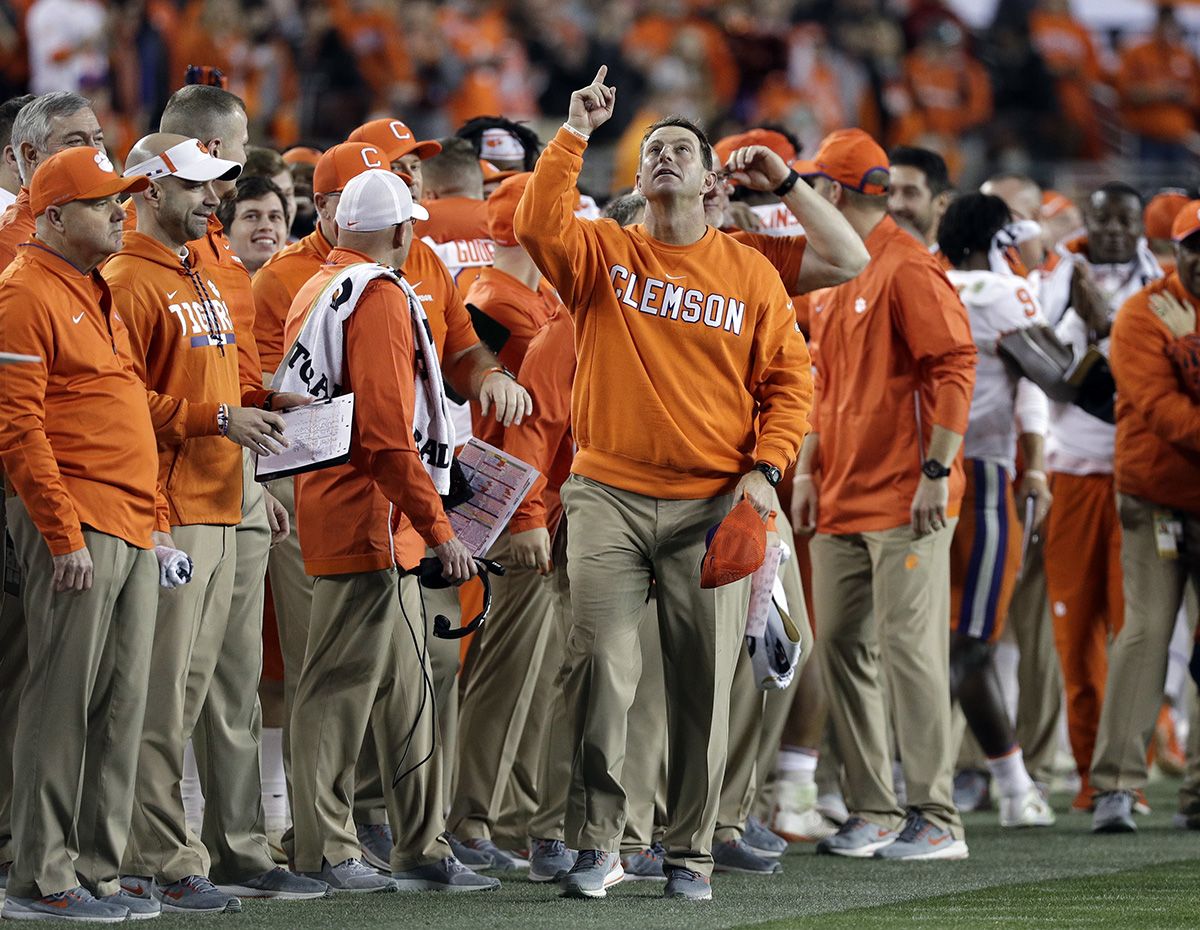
x=318 y=435
x=499 y=482
x=12 y=358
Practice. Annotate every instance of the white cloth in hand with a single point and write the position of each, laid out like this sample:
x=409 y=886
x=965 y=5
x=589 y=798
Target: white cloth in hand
x=174 y=567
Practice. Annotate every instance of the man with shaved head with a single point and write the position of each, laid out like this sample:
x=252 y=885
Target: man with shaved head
x=187 y=348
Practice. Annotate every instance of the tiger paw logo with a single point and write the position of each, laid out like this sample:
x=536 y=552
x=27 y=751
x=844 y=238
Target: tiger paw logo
x=102 y=162
x=911 y=561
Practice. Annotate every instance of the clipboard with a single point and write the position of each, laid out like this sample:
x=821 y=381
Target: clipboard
x=319 y=436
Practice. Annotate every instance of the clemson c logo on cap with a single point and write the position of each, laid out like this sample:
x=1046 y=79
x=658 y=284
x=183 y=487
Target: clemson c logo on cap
x=102 y=161
x=395 y=132
x=368 y=160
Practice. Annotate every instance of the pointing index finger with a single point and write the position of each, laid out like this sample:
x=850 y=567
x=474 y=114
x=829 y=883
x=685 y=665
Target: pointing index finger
x=601 y=73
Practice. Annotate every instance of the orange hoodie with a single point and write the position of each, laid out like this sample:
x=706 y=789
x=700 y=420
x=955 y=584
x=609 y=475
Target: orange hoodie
x=349 y=515
x=543 y=439
x=522 y=312
x=17 y=225
x=1158 y=66
x=184 y=345
x=1158 y=425
x=683 y=350
x=76 y=439
x=894 y=358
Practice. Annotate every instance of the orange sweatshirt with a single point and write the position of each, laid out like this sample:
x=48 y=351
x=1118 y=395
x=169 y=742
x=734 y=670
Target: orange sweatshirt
x=276 y=285
x=452 y=218
x=1158 y=424
x=1156 y=66
x=185 y=350
x=683 y=350
x=785 y=253
x=522 y=312
x=892 y=340
x=17 y=225
x=76 y=440
x=349 y=515
x=543 y=439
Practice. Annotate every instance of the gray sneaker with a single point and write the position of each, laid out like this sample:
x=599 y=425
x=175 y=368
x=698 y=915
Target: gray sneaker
x=764 y=841
x=497 y=859
x=448 y=875
x=469 y=857
x=686 y=884
x=972 y=791
x=75 y=904
x=1114 y=813
x=5 y=868
x=920 y=841
x=549 y=860
x=857 y=838
x=195 y=894
x=139 y=908
x=280 y=885
x=645 y=866
x=352 y=877
x=737 y=856
x=594 y=872
x=375 y=841
x=138 y=886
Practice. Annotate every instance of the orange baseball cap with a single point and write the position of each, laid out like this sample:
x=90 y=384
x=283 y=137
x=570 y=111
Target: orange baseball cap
x=502 y=207
x=492 y=173
x=735 y=547
x=777 y=142
x=348 y=160
x=394 y=139
x=81 y=173
x=1160 y=213
x=1053 y=203
x=1187 y=221
x=302 y=155
x=848 y=156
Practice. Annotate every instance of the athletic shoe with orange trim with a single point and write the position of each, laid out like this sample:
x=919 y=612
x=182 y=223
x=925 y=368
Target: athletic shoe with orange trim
x=74 y=904
x=920 y=841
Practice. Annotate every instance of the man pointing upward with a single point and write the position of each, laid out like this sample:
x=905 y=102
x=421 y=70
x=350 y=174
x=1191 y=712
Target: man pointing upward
x=719 y=378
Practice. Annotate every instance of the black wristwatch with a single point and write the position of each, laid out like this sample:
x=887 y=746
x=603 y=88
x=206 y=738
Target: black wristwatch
x=788 y=183
x=934 y=469
x=770 y=472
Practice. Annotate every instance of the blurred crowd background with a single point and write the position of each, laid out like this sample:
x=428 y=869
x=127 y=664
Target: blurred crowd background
x=1070 y=91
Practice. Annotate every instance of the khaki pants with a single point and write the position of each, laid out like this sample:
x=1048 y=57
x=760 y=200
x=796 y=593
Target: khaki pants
x=362 y=674
x=1039 y=680
x=1137 y=663
x=76 y=748
x=189 y=631
x=749 y=738
x=619 y=541
x=14 y=655
x=1189 y=791
x=644 y=775
x=499 y=694
x=883 y=599
x=228 y=729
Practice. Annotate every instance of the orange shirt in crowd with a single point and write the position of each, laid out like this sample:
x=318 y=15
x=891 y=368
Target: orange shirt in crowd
x=1066 y=47
x=348 y=515
x=892 y=340
x=520 y=310
x=1158 y=66
x=76 y=440
x=1158 y=429
x=184 y=345
x=370 y=32
x=543 y=439
x=951 y=94
x=700 y=339
x=497 y=72
x=17 y=225
x=276 y=285
x=655 y=35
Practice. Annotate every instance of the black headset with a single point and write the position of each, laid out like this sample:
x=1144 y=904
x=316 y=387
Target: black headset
x=429 y=573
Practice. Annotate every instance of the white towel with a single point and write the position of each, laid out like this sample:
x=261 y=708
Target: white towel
x=313 y=363
x=174 y=567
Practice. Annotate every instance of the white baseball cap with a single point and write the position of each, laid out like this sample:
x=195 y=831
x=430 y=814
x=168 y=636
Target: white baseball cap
x=375 y=200
x=501 y=145
x=189 y=161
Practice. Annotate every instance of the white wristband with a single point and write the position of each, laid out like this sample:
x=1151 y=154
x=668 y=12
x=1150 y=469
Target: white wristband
x=577 y=132
x=1034 y=473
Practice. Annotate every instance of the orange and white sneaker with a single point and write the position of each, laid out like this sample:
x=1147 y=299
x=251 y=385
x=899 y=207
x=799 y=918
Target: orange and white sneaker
x=796 y=817
x=594 y=872
x=1027 y=810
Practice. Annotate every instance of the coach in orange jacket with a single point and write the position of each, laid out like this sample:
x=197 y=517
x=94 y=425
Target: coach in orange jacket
x=1158 y=498
x=77 y=445
x=683 y=337
x=896 y=369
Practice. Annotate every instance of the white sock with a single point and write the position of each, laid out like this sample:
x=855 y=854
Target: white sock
x=1009 y=771
x=189 y=789
x=274 y=782
x=797 y=765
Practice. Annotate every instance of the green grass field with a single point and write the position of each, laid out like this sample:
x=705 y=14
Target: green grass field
x=1059 y=878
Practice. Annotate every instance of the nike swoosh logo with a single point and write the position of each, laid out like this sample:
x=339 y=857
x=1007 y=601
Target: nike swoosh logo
x=171 y=295
x=76 y=319
x=676 y=277
x=938 y=840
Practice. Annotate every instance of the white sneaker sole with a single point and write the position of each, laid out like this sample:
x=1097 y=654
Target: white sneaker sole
x=411 y=885
x=575 y=891
x=544 y=878
x=260 y=894
x=14 y=911
x=858 y=852
x=951 y=851
x=232 y=907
